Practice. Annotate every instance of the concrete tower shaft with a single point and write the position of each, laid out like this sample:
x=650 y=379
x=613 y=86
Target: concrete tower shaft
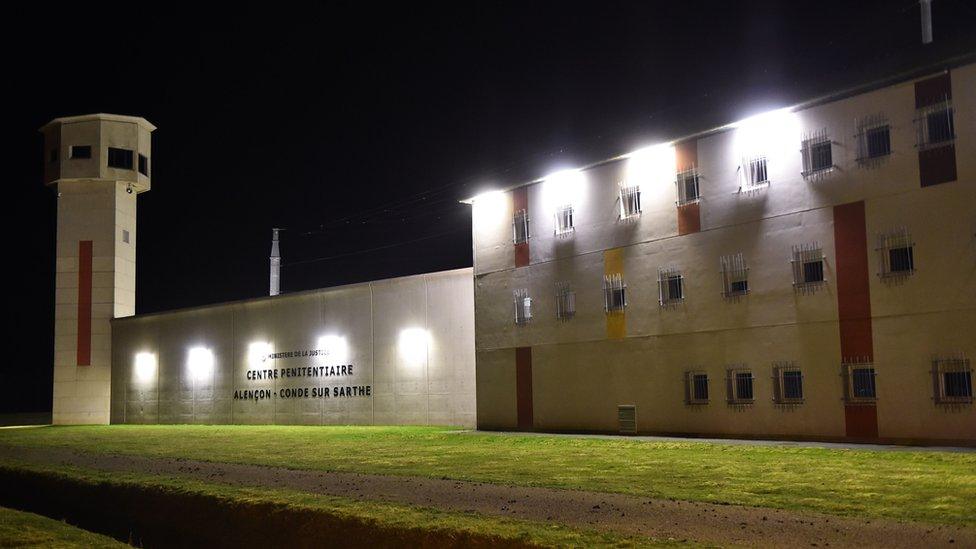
x=98 y=164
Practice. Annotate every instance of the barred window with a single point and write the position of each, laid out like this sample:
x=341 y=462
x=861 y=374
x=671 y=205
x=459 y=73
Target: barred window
x=614 y=293
x=564 y=220
x=739 y=384
x=787 y=383
x=696 y=387
x=735 y=275
x=119 y=158
x=953 y=379
x=565 y=301
x=630 y=201
x=80 y=151
x=896 y=254
x=873 y=137
x=859 y=381
x=934 y=125
x=808 y=266
x=520 y=227
x=687 y=182
x=753 y=173
x=670 y=284
x=523 y=306
x=817 y=154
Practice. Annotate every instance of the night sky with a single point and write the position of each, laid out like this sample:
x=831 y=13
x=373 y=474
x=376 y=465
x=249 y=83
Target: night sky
x=357 y=127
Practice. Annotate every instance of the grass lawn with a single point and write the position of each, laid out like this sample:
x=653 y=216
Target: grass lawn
x=20 y=529
x=938 y=487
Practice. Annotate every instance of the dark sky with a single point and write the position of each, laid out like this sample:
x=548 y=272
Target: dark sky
x=363 y=123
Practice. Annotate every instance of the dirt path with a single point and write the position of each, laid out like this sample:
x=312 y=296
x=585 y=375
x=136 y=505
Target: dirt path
x=663 y=519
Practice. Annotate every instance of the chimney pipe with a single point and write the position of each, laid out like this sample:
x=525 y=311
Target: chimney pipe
x=926 y=6
x=275 y=288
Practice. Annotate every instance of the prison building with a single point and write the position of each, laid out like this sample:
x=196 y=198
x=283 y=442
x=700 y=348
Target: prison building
x=807 y=273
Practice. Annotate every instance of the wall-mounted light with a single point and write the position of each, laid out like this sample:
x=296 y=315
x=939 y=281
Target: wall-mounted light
x=562 y=188
x=199 y=362
x=414 y=344
x=767 y=133
x=258 y=353
x=145 y=367
x=336 y=349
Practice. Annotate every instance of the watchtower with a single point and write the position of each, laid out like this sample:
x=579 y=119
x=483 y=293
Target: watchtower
x=98 y=164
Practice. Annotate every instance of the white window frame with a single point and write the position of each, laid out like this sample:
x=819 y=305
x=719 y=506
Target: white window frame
x=803 y=254
x=664 y=290
x=565 y=301
x=733 y=268
x=614 y=293
x=751 y=172
x=810 y=143
x=630 y=201
x=564 y=220
x=523 y=306
x=923 y=136
x=520 y=221
x=682 y=189
x=864 y=127
x=894 y=239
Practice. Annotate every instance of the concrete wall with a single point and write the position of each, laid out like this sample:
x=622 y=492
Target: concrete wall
x=409 y=340
x=583 y=368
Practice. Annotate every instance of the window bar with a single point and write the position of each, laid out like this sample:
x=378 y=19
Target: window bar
x=953 y=379
x=523 y=306
x=735 y=275
x=873 y=137
x=670 y=286
x=859 y=380
x=807 y=275
x=565 y=301
x=896 y=256
x=817 y=153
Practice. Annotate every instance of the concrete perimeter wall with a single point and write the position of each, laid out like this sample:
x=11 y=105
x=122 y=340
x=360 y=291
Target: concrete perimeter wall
x=396 y=351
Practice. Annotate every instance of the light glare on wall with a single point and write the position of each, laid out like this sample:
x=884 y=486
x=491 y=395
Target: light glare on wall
x=257 y=353
x=767 y=133
x=336 y=348
x=200 y=362
x=489 y=211
x=145 y=366
x=414 y=344
x=563 y=188
x=651 y=167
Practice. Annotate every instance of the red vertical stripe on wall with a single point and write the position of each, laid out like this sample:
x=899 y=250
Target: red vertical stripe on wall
x=853 y=282
x=520 y=201
x=523 y=388
x=689 y=218
x=84 y=302
x=854 y=306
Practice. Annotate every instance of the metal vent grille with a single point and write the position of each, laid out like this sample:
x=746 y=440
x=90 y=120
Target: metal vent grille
x=627 y=419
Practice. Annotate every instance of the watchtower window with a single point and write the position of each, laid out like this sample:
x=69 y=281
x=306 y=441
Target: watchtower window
x=120 y=158
x=81 y=151
x=144 y=165
x=53 y=156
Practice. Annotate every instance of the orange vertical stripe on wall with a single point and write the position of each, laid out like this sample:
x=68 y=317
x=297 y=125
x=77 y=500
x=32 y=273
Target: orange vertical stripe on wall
x=84 y=302
x=689 y=215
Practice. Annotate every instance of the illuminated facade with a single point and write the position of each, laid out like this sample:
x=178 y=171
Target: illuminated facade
x=806 y=273
x=397 y=351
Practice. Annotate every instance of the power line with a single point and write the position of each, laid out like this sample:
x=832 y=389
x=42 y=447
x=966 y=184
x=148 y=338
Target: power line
x=378 y=248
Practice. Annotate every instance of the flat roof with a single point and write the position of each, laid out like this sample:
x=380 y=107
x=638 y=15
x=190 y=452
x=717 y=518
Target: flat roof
x=100 y=116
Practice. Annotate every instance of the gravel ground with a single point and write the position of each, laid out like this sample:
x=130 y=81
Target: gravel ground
x=663 y=519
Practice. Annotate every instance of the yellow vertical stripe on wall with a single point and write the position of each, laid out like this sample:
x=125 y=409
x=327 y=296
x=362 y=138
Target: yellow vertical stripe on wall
x=613 y=263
